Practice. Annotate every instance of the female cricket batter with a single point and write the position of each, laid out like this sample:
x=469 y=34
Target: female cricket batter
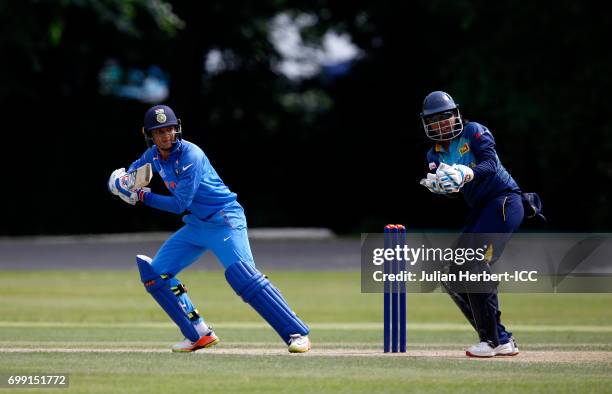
x=213 y=220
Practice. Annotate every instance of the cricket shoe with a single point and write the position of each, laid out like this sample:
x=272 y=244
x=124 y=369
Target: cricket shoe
x=513 y=352
x=507 y=349
x=186 y=346
x=482 y=350
x=299 y=343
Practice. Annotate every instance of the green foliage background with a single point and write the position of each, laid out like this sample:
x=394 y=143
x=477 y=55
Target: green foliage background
x=344 y=152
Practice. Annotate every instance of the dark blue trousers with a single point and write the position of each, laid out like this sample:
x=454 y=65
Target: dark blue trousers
x=501 y=216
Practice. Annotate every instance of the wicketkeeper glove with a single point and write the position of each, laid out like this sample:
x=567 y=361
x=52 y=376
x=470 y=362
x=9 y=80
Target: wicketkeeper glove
x=452 y=178
x=432 y=184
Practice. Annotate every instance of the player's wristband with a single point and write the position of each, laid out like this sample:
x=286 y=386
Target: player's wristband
x=141 y=194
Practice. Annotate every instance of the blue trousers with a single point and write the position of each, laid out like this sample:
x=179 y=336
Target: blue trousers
x=501 y=216
x=225 y=234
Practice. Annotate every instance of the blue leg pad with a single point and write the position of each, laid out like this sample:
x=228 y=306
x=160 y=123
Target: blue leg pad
x=168 y=292
x=256 y=290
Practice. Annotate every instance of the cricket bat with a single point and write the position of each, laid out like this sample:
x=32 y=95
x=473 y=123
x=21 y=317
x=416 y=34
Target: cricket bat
x=140 y=177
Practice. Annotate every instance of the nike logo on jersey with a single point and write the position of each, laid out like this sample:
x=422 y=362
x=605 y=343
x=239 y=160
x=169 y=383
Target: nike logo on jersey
x=187 y=166
x=225 y=239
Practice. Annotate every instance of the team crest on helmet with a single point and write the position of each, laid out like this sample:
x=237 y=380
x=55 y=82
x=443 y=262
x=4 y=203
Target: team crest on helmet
x=160 y=116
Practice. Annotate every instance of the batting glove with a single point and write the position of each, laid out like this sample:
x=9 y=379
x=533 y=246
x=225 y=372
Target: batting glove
x=117 y=174
x=118 y=185
x=133 y=197
x=452 y=178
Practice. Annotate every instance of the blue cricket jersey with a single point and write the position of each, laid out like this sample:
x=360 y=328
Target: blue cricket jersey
x=191 y=179
x=475 y=147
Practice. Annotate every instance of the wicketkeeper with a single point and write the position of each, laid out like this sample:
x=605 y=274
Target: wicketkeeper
x=463 y=159
x=214 y=220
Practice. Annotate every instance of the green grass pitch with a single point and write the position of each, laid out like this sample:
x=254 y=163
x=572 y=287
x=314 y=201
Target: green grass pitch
x=105 y=331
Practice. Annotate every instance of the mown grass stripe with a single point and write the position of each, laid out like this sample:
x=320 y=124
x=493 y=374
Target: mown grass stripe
x=442 y=354
x=319 y=343
x=354 y=326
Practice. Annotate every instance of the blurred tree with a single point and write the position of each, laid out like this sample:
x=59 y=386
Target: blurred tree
x=341 y=147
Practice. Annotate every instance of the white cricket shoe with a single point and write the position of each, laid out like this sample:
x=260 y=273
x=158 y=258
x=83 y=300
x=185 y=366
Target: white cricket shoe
x=507 y=349
x=299 y=343
x=482 y=350
x=186 y=346
x=515 y=349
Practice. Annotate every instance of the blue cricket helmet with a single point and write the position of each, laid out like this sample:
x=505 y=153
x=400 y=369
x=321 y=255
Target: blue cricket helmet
x=436 y=102
x=438 y=108
x=157 y=117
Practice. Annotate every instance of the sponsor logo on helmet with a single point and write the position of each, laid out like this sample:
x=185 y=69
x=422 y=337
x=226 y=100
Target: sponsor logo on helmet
x=464 y=149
